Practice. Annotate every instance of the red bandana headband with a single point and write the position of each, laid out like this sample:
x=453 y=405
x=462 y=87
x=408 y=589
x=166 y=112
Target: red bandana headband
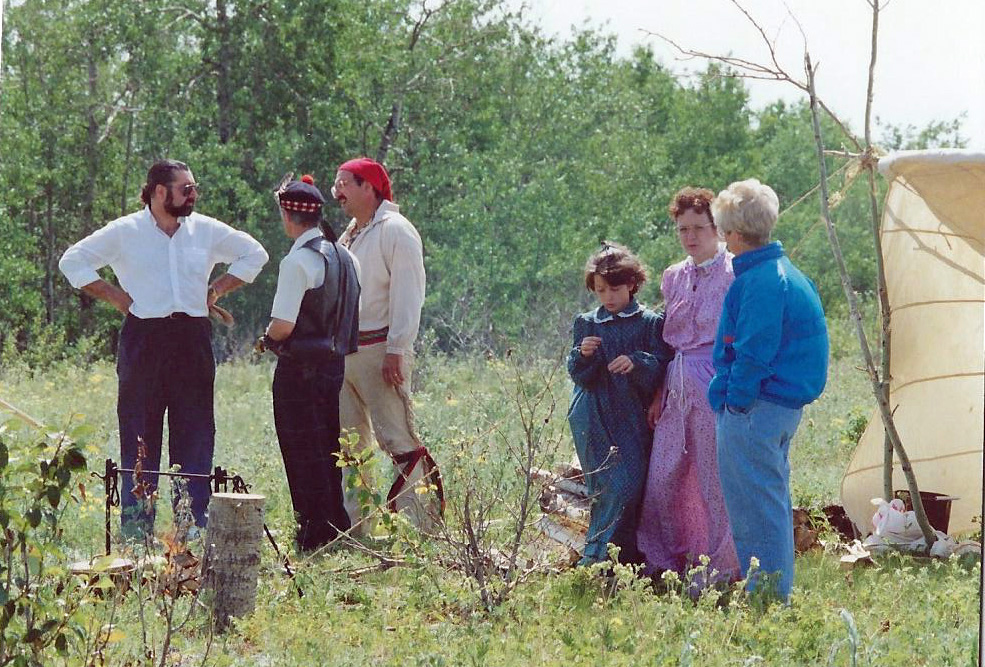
x=372 y=171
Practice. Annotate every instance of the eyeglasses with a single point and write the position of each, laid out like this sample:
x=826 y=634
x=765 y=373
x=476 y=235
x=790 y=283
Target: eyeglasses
x=189 y=187
x=337 y=186
x=696 y=229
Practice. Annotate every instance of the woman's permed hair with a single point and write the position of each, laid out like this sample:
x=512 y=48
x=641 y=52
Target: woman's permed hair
x=617 y=265
x=749 y=208
x=692 y=199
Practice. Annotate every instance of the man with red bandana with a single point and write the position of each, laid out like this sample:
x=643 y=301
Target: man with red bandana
x=375 y=396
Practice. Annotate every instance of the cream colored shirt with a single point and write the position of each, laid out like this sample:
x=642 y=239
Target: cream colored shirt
x=391 y=260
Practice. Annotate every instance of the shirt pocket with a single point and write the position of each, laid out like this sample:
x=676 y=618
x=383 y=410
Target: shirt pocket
x=195 y=264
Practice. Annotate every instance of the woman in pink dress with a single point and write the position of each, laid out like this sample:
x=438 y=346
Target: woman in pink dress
x=683 y=514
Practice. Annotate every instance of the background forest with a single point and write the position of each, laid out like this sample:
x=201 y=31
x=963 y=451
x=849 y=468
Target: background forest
x=512 y=153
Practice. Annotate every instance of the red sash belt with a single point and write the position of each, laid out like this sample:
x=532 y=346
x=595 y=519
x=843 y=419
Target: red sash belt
x=408 y=460
x=373 y=337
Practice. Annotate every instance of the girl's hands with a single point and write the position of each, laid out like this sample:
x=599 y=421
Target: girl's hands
x=588 y=345
x=621 y=365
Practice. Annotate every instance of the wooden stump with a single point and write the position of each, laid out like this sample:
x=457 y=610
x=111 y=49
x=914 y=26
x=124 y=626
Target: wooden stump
x=119 y=571
x=232 y=554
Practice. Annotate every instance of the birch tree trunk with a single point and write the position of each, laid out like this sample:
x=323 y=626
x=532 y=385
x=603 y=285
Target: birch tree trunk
x=884 y=310
x=232 y=554
x=882 y=397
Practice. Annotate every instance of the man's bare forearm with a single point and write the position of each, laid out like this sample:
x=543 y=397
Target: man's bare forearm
x=280 y=329
x=111 y=294
x=223 y=285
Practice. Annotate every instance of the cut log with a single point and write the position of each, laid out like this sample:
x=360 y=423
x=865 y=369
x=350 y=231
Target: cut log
x=118 y=570
x=571 y=485
x=232 y=554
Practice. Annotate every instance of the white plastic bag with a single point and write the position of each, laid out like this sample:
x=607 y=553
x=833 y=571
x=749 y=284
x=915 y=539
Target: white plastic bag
x=893 y=524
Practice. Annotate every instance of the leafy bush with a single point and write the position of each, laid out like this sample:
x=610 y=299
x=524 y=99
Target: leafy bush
x=39 y=597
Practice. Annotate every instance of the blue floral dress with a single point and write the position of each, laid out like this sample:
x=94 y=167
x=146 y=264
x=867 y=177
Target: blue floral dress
x=608 y=419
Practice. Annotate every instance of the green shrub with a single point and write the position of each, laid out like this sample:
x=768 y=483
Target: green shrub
x=40 y=599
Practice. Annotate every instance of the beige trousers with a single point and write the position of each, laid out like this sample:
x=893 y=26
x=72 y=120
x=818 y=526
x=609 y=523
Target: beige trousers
x=376 y=410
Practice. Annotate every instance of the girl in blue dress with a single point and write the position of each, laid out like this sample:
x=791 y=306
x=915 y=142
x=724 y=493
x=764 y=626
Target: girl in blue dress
x=617 y=362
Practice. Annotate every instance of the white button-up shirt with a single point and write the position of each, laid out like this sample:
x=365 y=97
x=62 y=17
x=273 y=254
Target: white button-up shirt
x=164 y=274
x=300 y=271
x=391 y=259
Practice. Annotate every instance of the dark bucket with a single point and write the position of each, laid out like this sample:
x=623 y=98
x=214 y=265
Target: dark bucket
x=936 y=505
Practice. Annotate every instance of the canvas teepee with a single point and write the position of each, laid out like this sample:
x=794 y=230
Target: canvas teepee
x=933 y=236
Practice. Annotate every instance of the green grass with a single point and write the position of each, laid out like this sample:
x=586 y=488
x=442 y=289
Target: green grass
x=428 y=613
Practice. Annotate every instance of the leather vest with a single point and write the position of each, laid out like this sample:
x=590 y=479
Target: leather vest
x=331 y=311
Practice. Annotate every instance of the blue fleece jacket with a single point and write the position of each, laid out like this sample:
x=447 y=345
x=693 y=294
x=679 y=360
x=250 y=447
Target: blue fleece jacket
x=772 y=340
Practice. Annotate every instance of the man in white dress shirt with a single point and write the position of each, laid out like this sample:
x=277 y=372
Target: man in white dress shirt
x=314 y=324
x=375 y=396
x=163 y=257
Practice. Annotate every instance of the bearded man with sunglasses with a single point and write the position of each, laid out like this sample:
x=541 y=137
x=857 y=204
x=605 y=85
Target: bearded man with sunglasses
x=163 y=257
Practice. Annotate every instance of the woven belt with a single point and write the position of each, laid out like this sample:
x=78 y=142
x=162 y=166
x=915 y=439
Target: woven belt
x=373 y=337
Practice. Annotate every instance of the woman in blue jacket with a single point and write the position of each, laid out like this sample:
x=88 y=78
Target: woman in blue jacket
x=771 y=359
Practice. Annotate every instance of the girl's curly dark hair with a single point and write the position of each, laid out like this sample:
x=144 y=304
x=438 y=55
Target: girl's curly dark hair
x=617 y=265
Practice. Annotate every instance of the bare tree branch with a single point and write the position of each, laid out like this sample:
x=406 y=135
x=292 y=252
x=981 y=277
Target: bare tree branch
x=882 y=397
x=747 y=69
x=119 y=105
x=426 y=14
x=885 y=337
x=182 y=13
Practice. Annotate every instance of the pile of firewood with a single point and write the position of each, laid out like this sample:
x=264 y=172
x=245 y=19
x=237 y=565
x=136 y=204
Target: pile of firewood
x=566 y=506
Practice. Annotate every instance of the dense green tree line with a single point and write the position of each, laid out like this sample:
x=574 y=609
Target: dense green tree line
x=513 y=153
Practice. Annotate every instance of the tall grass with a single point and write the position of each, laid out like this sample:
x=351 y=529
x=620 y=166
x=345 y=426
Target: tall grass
x=903 y=611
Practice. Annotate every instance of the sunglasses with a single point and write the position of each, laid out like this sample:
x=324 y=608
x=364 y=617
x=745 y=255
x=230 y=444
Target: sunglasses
x=189 y=188
x=337 y=187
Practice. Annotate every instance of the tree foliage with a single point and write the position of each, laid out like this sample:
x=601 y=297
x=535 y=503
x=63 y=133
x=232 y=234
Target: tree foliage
x=512 y=152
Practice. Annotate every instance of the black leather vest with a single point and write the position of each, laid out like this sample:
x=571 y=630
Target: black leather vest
x=331 y=311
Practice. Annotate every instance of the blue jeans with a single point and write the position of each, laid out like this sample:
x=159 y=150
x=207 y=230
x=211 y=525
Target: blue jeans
x=754 y=467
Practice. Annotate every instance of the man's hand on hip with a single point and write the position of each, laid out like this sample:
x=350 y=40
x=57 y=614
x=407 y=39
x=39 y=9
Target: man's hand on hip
x=393 y=373
x=110 y=293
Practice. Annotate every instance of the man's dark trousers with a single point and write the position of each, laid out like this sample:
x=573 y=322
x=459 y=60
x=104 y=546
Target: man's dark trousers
x=306 y=415
x=165 y=364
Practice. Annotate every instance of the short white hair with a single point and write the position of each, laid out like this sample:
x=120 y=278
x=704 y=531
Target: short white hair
x=749 y=208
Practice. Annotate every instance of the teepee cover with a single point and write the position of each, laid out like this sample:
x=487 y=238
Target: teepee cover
x=933 y=235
